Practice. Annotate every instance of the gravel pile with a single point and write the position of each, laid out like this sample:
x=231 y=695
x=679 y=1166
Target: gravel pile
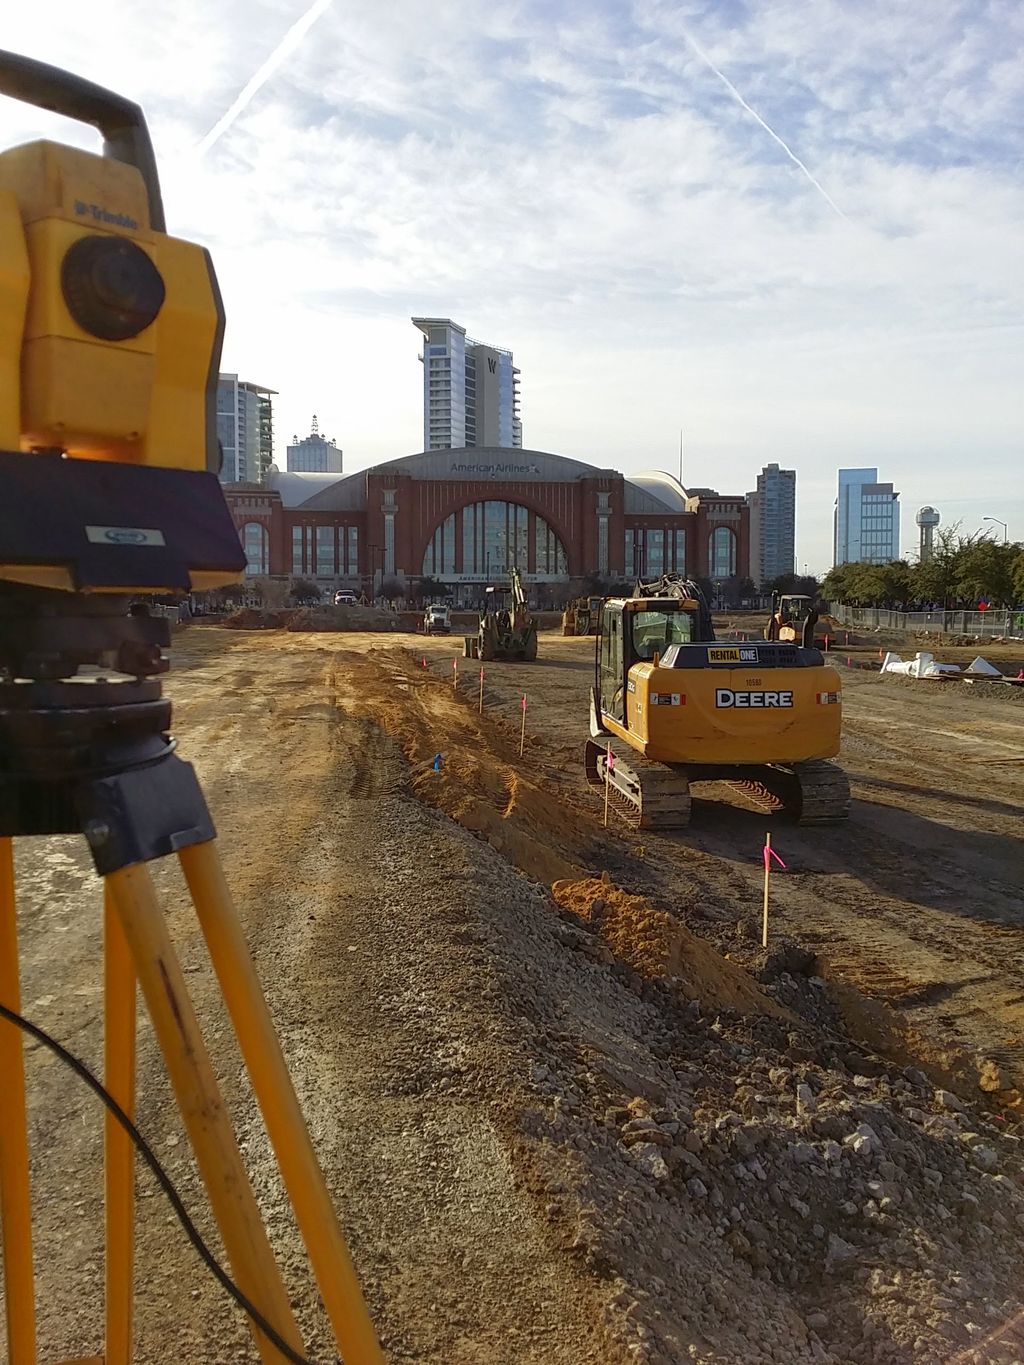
x=751 y=1188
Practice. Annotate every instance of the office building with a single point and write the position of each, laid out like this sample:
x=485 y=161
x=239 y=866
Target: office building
x=867 y=519
x=314 y=454
x=245 y=429
x=772 y=524
x=470 y=390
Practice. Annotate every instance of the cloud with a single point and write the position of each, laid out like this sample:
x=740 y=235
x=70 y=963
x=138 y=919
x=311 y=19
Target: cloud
x=576 y=186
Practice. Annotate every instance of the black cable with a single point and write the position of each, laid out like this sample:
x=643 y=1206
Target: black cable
x=162 y=1179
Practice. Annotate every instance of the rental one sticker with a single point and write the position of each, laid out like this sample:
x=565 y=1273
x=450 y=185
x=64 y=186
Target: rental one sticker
x=731 y=654
x=726 y=698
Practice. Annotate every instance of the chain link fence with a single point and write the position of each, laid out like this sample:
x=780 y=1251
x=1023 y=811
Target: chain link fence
x=987 y=624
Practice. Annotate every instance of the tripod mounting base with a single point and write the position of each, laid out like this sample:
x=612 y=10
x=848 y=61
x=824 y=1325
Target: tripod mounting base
x=107 y=770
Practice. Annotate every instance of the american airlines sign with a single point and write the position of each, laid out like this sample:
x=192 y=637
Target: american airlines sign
x=497 y=471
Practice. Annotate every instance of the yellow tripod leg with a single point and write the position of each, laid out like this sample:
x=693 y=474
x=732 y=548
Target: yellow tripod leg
x=257 y=1039
x=15 y=1193
x=202 y=1108
x=119 y=1055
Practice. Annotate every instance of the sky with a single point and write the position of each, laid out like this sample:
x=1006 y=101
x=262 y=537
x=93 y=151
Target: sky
x=791 y=230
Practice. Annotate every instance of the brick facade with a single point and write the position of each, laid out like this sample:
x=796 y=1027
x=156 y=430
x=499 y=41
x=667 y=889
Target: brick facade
x=395 y=514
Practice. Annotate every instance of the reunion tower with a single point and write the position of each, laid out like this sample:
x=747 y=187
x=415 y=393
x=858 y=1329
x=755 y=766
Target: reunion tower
x=927 y=520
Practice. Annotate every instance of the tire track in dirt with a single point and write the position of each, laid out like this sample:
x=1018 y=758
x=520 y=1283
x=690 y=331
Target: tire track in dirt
x=917 y=901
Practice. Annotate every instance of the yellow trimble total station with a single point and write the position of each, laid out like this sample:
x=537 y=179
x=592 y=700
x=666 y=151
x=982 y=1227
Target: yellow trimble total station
x=110 y=337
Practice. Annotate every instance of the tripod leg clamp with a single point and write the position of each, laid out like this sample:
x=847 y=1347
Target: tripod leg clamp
x=143 y=814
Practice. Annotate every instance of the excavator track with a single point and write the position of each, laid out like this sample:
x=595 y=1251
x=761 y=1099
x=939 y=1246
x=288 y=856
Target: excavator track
x=649 y=795
x=824 y=792
x=814 y=793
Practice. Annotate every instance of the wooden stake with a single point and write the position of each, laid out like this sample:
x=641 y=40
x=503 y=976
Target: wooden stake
x=455 y=674
x=481 y=691
x=607 y=783
x=522 y=732
x=767 y=875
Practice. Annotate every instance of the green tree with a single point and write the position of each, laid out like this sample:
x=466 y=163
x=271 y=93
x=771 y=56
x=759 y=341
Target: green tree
x=1018 y=576
x=304 y=591
x=854 y=584
x=789 y=584
x=984 y=570
x=897 y=583
x=428 y=588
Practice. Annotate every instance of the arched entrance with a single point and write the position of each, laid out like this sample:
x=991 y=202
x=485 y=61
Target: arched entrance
x=485 y=540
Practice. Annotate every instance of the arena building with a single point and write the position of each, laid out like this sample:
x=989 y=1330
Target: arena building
x=464 y=517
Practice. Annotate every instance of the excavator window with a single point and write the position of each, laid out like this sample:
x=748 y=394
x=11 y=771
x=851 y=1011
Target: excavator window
x=654 y=631
x=612 y=677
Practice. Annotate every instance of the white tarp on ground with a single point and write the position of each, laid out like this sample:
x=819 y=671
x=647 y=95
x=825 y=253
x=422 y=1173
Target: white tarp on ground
x=921 y=666
x=981 y=665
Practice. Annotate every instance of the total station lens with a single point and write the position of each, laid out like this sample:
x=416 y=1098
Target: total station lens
x=111 y=287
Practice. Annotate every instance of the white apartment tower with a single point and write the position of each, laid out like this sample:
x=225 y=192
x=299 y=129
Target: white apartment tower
x=245 y=429
x=470 y=390
x=772 y=524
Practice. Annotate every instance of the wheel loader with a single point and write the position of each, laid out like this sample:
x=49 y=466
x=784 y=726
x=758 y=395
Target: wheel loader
x=507 y=630
x=674 y=707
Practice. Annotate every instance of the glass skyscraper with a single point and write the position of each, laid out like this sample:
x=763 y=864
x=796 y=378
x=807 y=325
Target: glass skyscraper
x=867 y=519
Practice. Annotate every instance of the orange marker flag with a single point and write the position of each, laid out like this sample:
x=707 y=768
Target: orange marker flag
x=769 y=854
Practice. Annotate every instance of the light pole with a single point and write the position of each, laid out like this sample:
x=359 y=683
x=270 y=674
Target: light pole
x=998 y=523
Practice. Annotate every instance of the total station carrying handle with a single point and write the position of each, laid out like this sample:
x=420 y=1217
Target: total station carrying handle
x=121 y=123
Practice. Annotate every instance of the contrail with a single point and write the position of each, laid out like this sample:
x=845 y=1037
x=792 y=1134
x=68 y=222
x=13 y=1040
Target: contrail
x=284 y=49
x=770 y=131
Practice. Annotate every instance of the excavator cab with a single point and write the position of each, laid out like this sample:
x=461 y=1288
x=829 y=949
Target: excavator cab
x=637 y=631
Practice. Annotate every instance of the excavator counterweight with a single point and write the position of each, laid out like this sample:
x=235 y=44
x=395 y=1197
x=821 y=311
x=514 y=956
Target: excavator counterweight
x=673 y=706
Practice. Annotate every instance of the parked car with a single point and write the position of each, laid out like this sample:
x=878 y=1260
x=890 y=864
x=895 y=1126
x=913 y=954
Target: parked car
x=344 y=598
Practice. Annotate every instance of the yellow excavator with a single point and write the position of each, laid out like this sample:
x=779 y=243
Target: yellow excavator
x=764 y=716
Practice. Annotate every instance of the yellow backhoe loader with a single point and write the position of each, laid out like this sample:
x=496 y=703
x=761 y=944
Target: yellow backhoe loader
x=673 y=707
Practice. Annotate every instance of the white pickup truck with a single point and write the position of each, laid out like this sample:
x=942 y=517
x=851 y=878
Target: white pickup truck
x=437 y=621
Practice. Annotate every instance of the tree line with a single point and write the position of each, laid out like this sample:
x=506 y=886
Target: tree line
x=962 y=572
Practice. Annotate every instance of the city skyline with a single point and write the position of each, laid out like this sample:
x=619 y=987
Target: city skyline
x=586 y=186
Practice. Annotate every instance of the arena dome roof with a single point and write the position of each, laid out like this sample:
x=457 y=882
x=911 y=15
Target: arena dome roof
x=652 y=491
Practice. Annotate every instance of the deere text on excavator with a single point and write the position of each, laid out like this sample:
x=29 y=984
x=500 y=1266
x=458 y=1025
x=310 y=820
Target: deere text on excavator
x=764 y=717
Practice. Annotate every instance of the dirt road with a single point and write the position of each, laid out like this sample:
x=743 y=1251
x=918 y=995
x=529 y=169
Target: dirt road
x=477 y=1070
x=918 y=900
x=363 y=911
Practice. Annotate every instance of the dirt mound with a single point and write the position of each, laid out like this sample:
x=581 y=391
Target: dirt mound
x=480 y=780
x=327 y=617
x=657 y=945
x=954 y=688
x=256 y=618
